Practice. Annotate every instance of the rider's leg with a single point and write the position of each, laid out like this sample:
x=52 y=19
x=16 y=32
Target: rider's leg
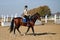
x=25 y=17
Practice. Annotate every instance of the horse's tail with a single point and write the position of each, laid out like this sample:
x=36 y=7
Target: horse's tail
x=12 y=25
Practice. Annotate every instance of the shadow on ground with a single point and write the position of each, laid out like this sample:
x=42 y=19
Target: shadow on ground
x=42 y=34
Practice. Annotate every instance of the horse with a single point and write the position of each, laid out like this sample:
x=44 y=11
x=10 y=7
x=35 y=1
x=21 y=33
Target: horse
x=17 y=22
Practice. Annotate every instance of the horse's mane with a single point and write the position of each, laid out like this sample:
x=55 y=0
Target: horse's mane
x=33 y=16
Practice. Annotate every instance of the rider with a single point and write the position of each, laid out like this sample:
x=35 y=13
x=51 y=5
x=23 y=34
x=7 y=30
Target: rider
x=26 y=15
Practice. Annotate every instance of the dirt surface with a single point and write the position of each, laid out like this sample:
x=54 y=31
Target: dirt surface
x=43 y=32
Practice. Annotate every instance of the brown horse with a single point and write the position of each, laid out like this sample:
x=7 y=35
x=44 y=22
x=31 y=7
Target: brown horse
x=17 y=22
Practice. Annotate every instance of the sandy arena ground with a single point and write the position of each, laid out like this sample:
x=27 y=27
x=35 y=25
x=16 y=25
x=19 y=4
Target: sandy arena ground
x=48 y=31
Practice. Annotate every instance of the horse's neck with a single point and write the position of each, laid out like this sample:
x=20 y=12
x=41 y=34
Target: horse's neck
x=34 y=18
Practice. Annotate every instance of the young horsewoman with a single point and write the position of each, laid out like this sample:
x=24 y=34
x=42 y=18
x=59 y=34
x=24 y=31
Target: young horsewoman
x=26 y=15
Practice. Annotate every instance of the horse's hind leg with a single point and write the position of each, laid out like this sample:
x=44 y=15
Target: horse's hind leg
x=18 y=30
x=14 y=30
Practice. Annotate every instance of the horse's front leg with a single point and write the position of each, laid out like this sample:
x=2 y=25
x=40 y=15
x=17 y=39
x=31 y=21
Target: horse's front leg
x=33 y=31
x=27 y=30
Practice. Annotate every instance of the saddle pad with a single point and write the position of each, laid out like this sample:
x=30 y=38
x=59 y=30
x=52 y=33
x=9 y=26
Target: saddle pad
x=24 y=20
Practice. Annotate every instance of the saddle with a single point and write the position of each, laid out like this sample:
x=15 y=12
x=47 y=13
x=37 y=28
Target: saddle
x=25 y=20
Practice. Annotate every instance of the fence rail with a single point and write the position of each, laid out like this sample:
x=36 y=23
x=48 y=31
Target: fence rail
x=5 y=20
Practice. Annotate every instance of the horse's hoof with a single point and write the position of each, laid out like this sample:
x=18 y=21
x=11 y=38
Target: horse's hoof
x=24 y=34
x=21 y=34
x=34 y=35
